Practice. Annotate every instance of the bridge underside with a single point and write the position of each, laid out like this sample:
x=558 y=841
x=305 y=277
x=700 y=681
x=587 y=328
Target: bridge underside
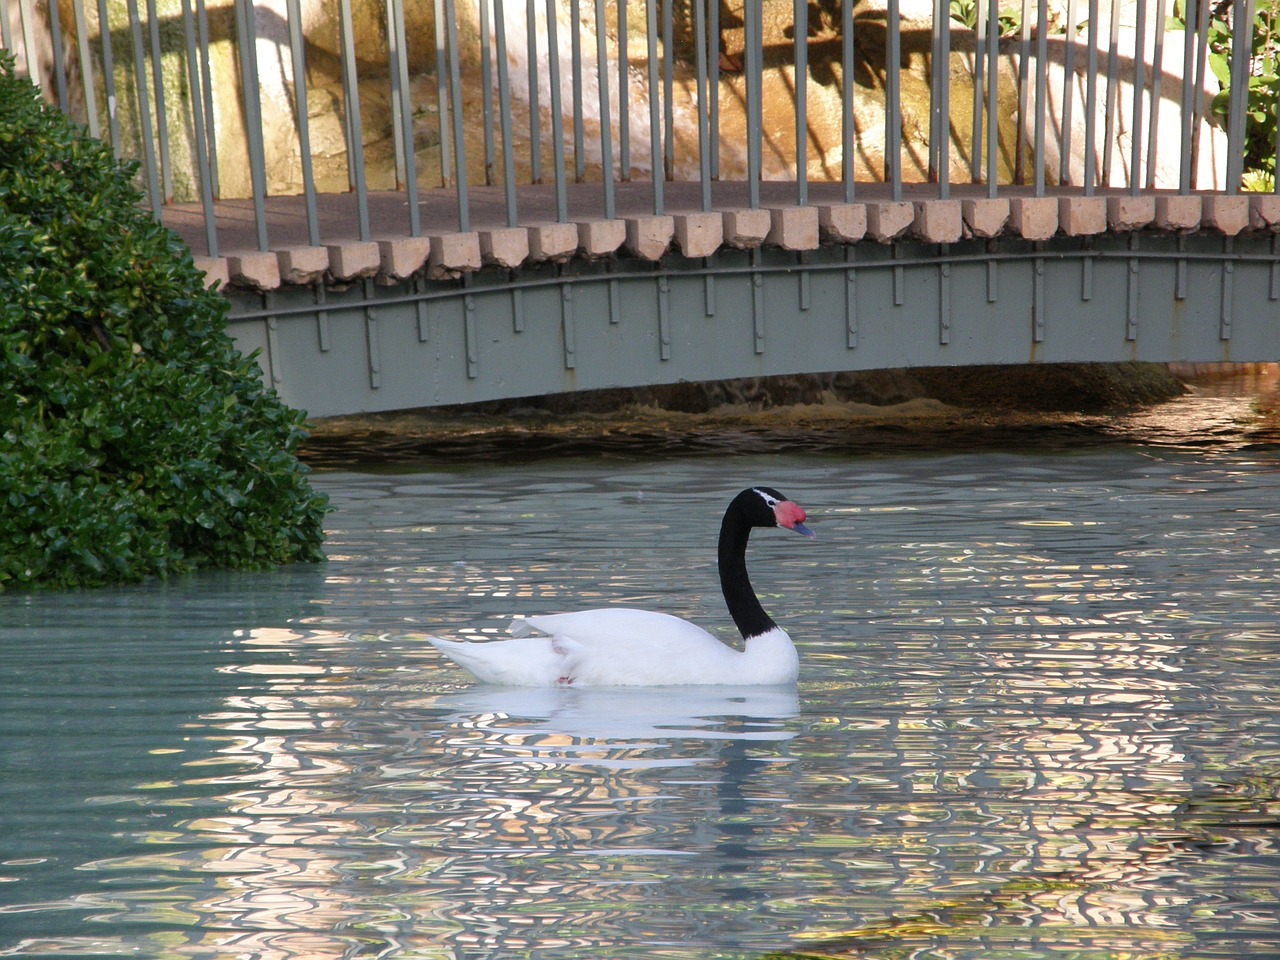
x=588 y=325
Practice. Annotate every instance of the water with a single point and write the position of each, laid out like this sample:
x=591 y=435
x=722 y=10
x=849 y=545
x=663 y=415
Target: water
x=1037 y=717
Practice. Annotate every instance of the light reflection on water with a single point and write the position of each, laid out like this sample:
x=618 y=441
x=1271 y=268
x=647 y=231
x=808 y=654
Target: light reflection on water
x=1037 y=717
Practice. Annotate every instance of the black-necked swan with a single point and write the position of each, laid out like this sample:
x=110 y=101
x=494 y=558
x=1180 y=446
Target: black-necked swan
x=621 y=647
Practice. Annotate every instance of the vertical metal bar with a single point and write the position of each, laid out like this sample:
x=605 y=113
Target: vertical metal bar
x=941 y=11
x=753 y=55
x=850 y=300
x=59 y=60
x=1024 y=96
x=1241 y=49
x=979 y=77
x=144 y=108
x=664 y=317
x=27 y=21
x=351 y=105
x=1228 y=244
x=1091 y=103
x=893 y=104
x=442 y=92
x=297 y=51
x=399 y=67
x=393 y=78
x=800 y=47
x=668 y=99
x=1157 y=90
x=198 y=133
x=606 y=130
x=6 y=37
x=455 y=99
x=206 y=80
x=567 y=329
x=1113 y=95
x=993 y=95
x=86 y=62
x=1068 y=95
x=655 y=138
x=847 y=148
x=109 y=77
x=713 y=52
x=535 y=111
x=1139 y=89
x=486 y=91
x=557 y=114
x=704 y=134
x=1190 y=13
x=575 y=42
x=944 y=105
x=1042 y=83
x=504 y=113
x=1202 y=52
x=157 y=80
x=757 y=300
x=624 y=95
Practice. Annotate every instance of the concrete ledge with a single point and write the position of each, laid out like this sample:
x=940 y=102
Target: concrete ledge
x=401 y=257
x=1227 y=215
x=985 y=217
x=1082 y=216
x=506 y=247
x=353 y=261
x=214 y=270
x=1034 y=218
x=453 y=254
x=938 y=221
x=888 y=220
x=793 y=228
x=303 y=265
x=553 y=241
x=1126 y=214
x=1264 y=211
x=843 y=222
x=601 y=238
x=1180 y=214
x=259 y=271
x=746 y=229
x=649 y=237
x=699 y=234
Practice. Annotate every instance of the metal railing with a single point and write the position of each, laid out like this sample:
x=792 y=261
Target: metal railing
x=491 y=100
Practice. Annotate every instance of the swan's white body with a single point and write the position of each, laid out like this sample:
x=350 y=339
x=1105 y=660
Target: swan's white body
x=621 y=647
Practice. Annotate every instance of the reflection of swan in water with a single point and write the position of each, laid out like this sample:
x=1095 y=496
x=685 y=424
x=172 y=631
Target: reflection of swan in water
x=604 y=716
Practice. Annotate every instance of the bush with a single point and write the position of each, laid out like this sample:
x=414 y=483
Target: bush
x=135 y=441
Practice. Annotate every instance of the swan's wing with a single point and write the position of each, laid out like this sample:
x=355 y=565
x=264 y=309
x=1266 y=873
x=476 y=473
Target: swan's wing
x=615 y=628
x=525 y=662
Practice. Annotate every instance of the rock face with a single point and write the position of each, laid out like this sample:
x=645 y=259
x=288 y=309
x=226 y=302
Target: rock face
x=526 y=41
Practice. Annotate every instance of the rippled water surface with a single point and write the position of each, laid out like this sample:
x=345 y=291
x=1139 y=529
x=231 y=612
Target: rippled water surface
x=1038 y=716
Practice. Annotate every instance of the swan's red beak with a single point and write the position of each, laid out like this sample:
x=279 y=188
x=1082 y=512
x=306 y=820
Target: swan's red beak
x=792 y=517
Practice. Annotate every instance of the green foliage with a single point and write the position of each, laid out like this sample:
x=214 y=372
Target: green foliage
x=965 y=14
x=135 y=441
x=1264 y=89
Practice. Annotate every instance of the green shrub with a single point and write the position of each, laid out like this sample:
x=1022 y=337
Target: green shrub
x=135 y=441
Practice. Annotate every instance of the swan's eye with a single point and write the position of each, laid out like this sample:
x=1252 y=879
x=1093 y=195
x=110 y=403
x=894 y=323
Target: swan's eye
x=769 y=501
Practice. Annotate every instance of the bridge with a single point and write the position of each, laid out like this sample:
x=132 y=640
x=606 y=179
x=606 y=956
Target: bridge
x=702 y=191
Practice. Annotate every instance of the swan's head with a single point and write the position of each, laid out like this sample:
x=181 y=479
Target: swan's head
x=769 y=508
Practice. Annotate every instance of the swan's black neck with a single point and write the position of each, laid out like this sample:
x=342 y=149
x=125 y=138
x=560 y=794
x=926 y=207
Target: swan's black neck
x=741 y=599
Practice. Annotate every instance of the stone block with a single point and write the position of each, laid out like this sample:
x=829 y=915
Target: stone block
x=453 y=254
x=1125 y=214
x=699 y=234
x=402 y=257
x=601 y=238
x=1034 y=218
x=353 y=260
x=649 y=237
x=1178 y=214
x=746 y=229
x=1264 y=211
x=259 y=271
x=303 y=265
x=1227 y=215
x=214 y=269
x=843 y=222
x=553 y=241
x=793 y=228
x=887 y=220
x=938 y=221
x=506 y=247
x=1082 y=216
x=985 y=217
